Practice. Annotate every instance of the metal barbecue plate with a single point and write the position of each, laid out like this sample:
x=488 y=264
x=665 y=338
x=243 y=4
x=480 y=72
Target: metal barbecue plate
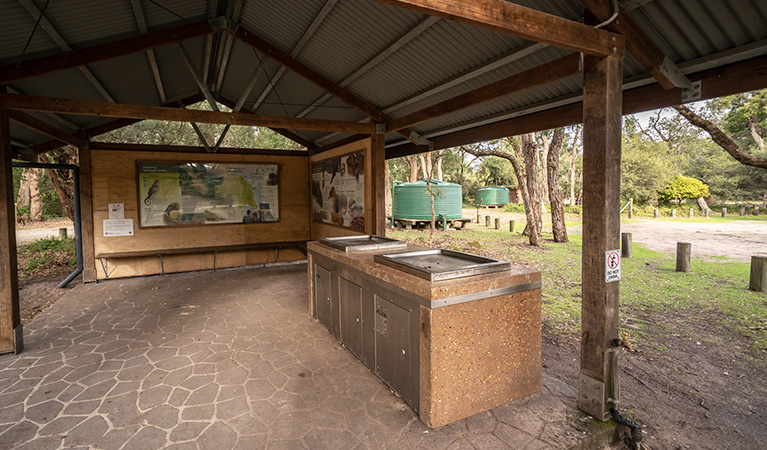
x=440 y=264
x=363 y=243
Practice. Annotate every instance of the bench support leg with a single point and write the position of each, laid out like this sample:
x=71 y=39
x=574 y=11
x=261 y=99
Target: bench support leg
x=104 y=266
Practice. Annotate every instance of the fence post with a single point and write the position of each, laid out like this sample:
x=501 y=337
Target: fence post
x=683 y=250
x=655 y=213
x=742 y=211
x=756 y=210
x=497 y=223
x=724 y=212
x=673 y=213
x=758 y=279
x=631 y=208
x=626 y=245
x=692 y=212
x=478 y=218
x=487 y=221
x=511 y=226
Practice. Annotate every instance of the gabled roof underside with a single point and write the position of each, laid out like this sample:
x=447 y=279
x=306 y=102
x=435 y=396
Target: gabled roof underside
x=397 y=60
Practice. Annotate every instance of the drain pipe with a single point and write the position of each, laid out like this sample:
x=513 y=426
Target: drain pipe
x=636 y=429
x=78 y=225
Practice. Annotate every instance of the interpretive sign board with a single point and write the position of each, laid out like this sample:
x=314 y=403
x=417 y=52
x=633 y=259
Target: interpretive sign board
x=196 y=193
x=338 y=191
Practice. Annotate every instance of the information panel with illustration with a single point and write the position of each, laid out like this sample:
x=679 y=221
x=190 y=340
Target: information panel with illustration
x=191 y=193
x=338 y=191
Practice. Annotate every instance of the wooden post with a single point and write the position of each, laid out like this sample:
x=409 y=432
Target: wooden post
x=631 y=208
x=683 y=251
x=487 y=221
x=602 y=102
x=497 y=223
x=724 y=212
x=478 y=218
x=511 y=226
x=10 y=319
x=708 y=213
x=673 y=213
x=742 y=211
x=86 y=214
x=756 y=210
x=692 y=213
x=655 y=213
x=758 y=279
x=378 y=186
x=63 y=233
x=626 y=245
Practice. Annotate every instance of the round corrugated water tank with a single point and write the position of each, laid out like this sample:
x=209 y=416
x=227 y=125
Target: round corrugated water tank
x=411 y=200
x=493 y=195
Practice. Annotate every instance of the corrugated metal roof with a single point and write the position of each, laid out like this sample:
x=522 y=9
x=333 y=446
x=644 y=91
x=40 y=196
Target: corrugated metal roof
x=353 y=33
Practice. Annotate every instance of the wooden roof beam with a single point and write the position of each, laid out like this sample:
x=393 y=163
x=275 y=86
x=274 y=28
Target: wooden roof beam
x=660 y=66
x=138 y=11
x=43 y=127
x=287 y=133
x=127 y=111
x=527 y=23
x=76 y=58
x=537 y=76
x=319 y=80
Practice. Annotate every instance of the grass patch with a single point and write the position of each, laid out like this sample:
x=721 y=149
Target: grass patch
x=653 y=295
x=46 y=256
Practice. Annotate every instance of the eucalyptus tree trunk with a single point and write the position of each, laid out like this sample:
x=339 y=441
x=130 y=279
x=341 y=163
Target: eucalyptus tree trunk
x=529 y=152
x=555 y=193
x=572 y=165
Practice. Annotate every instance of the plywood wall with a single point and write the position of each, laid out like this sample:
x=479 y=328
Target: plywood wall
x=321 y=230
x=114 y=181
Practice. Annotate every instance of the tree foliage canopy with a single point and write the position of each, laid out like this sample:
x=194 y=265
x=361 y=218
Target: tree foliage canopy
x=681 y=188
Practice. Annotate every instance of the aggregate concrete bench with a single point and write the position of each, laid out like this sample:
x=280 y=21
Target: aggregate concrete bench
x=104 y=257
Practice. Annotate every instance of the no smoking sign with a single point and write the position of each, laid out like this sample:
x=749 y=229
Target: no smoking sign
x=612 y=266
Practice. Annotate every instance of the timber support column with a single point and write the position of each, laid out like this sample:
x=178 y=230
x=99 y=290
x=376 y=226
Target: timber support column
x=378 y=159
x=11 y=336
x=86 y=214
x=602 y=102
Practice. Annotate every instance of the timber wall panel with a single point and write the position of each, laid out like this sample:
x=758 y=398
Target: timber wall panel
x=114 y=181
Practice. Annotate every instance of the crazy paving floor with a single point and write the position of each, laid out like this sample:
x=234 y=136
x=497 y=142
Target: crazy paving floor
x=223 y=360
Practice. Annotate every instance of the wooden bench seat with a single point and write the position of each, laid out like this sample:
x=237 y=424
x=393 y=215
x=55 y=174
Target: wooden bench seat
x=104 y=257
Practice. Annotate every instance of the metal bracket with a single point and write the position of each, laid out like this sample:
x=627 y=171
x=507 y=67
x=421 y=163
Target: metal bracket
x=692 y=94
x=380 y=128
x=591 y=396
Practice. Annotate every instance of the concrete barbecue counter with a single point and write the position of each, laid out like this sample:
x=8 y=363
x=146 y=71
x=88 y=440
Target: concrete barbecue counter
x=451 y=348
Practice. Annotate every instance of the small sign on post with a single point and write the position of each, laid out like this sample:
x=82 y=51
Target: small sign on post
x=612 y=266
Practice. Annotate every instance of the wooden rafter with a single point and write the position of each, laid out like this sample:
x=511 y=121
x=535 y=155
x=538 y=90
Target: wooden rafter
x=545 y=73
x=520 y=21
x=640 y=45
x=315 y=77
x=45 y=128
x=89 y=108
x=141 y=22
x=287 y=133
x=89 y=55
x=718 y=82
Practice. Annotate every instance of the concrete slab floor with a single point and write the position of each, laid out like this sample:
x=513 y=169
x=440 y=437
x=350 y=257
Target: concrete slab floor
x=227 y=360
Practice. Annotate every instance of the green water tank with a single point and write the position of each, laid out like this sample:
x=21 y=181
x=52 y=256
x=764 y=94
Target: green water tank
x=493 y=195
x=411 y=201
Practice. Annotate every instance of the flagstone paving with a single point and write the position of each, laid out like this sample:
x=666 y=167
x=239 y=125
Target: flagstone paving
x=227 y=360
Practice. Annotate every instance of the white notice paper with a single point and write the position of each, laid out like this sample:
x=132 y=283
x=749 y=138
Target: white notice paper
x=612 y=266
x=116 y=211
x=118 y=227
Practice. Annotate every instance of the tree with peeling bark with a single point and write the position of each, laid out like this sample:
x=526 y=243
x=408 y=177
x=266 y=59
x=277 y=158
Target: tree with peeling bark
x=555 y=193
x=529 y=149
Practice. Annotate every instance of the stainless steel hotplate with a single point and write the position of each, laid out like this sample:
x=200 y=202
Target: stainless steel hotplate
x=363 y=243
x=440 y=264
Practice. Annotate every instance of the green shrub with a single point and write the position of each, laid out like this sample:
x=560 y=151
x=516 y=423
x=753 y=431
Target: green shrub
x=681 y=188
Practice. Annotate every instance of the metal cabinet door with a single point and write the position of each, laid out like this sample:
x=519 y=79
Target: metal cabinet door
x=393 y=351
x=322 y=296
x=351 y=315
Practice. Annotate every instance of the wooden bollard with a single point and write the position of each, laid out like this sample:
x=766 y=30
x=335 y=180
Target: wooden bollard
x=62 y=233
x=487 y=221
x=692 y=212
x=478 y=218
x=497 y=223
x=626 y=245
x=742 y=211
x=683 y=250
x=673 y=213
x=758 y=280
x=756 y=210
x=631 y=208
x=655 y=213
x=511 y=226
x=724 y=212
x=708 y=213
